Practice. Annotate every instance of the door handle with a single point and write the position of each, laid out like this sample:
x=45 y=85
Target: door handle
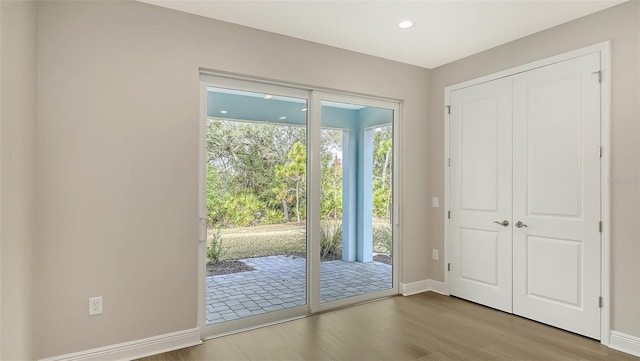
x=519 y=224
x=203 y=229
x=503 y=223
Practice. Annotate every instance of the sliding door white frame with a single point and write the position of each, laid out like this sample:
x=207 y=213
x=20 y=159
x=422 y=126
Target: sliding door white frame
x=314 y=98
x=259 y=320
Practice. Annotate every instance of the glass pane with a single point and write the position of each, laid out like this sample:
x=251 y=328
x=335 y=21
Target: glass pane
x=356 y=238
x=256 y=204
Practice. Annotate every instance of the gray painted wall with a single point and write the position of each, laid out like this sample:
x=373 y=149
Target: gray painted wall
x=117 y=157
x=17 y=180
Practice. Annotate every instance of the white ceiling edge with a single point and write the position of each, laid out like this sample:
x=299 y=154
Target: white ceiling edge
x=443 y=31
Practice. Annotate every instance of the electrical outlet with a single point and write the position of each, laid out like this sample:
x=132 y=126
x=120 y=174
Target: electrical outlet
x=95 y=306
x=435 y=202
x=434 y=254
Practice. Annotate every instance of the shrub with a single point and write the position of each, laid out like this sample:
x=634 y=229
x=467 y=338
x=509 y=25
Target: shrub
x=383 y=238
x=242 y=209
x=273 y=216
x=215 y=251
x=330 y=239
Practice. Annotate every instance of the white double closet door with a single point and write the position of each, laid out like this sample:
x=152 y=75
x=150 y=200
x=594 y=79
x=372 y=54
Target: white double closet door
x=525 y=194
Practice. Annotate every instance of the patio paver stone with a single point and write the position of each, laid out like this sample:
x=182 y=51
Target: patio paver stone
x=278 y=282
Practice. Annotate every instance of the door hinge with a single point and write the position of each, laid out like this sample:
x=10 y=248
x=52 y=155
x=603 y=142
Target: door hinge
x=448 y=109
x=600 y=302
x=448 y=267
x=599 y=72
x=600 y=226
x=448 y=162
x=599 y=152
x=449 y=215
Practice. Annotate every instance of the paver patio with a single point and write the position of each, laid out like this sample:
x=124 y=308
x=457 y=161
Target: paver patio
x=279 y=282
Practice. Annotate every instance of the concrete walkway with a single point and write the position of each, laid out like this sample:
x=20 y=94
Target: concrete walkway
x=279 y=282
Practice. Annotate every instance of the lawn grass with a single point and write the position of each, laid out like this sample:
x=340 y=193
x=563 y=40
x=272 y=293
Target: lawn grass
x=270 y=240
x=260 y=241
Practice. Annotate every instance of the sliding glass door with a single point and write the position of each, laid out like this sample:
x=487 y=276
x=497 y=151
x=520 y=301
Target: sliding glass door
x=296 y=202
x=356 y=238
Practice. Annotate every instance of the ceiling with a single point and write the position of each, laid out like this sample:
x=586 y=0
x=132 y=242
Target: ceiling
x=443 y=31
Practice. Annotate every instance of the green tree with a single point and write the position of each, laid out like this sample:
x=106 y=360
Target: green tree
x=331 y=187
x=331 y=173
x=291 y=176
x=382 y=166
x=215 y=197
x=245 y=157
x=281 y=192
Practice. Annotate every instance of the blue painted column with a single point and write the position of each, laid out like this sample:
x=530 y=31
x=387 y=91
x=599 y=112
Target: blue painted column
x=357 y=185
x=364 y=208
x=349 y=186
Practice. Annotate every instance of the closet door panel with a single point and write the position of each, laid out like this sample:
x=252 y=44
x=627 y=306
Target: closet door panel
x=556 y=164
x=481 y=175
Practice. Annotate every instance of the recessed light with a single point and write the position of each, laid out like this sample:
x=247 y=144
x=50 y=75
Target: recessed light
x=223 y=112
x=304 y=109
x=282 y=118
x=268 y=96
x=406 y=24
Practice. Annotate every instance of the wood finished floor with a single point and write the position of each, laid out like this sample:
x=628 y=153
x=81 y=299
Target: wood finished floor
x=427 y=326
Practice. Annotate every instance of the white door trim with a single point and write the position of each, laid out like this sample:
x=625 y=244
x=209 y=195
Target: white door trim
x=605 y=133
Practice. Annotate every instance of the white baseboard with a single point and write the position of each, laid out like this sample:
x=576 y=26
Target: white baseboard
x=625 y=343
x=136 y=349
x=437 y=287
x=408 y=289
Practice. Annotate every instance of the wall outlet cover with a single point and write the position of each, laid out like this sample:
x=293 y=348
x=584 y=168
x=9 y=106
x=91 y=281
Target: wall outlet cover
x=95 y=306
